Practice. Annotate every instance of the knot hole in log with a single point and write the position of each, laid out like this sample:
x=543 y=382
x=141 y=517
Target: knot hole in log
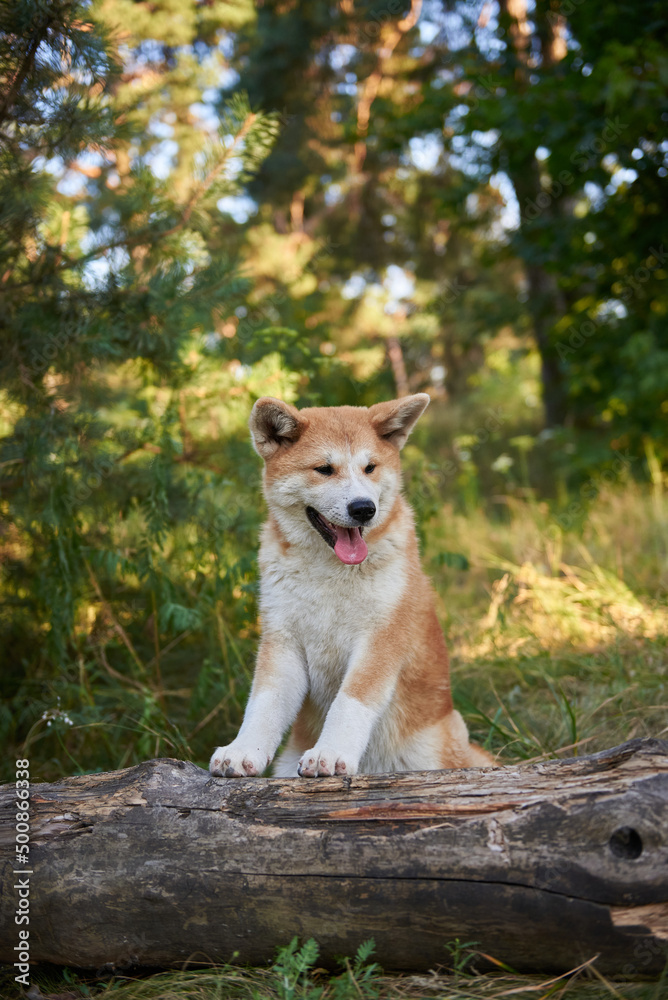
x=626 y=843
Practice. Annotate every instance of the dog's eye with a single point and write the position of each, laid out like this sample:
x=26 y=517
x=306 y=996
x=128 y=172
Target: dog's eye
x=369 y=469
x=325 y=470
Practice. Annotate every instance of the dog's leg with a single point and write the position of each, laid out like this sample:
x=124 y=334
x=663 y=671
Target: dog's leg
x=365 y=693
x=279 y=686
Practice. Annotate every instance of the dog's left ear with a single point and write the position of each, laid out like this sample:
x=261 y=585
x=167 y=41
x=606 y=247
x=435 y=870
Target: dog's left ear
x=395 y=419
x=274 y=424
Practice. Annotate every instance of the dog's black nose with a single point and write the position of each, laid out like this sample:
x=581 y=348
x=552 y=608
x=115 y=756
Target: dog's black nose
x=362 y=510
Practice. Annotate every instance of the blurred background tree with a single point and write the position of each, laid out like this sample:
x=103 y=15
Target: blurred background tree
x=498 y=155
x=205 y=202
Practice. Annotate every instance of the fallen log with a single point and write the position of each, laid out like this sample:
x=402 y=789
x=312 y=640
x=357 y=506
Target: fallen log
x=543 y=865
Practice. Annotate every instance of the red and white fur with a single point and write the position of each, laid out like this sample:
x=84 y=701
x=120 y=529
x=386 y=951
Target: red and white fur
x=352 y=655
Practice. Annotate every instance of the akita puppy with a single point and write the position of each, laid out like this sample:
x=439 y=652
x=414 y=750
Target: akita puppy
x=352 y=654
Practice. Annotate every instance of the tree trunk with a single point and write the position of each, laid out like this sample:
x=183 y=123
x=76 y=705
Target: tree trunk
x=544 y=866
x=545 y=302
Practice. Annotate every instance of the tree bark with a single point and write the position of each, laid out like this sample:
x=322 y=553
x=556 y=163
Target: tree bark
x=544 y=866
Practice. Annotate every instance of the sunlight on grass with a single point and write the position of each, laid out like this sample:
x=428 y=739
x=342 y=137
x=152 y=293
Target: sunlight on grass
x=559 y=641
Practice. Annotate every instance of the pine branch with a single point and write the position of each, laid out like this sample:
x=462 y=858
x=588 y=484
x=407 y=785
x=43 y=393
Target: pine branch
x=21 y=73
x=202 y=188
x=149 y=235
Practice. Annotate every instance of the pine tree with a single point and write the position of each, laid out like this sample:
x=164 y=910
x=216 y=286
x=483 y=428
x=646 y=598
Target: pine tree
x=112 y=285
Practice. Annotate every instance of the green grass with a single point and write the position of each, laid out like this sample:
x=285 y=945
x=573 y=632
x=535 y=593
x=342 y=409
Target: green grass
x=559 y=646
x=295 y=975
x=559 y=641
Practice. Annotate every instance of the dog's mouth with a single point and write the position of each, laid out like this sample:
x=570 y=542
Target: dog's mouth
x=347 y=543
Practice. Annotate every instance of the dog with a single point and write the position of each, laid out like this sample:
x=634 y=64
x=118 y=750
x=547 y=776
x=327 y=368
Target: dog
x=352 y=655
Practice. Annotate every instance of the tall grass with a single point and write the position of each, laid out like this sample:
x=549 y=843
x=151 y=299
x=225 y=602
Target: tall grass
x=559 y=640
x=559 y=643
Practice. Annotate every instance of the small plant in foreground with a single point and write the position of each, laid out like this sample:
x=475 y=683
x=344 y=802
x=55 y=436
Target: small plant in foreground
x=462 y=954
x=360 y=979
x=293 y=966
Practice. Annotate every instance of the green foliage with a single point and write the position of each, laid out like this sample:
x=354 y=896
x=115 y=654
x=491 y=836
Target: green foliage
x=549 y=118
x=228 y=982
x=292 y=967
x=139 y=322
x=295 y=966
x=123 y=537
x=590 y=230
x=360 y=978
x=146 y=301
x=462 y=953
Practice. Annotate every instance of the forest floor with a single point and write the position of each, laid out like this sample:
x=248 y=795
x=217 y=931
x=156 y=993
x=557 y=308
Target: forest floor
x=295 y=976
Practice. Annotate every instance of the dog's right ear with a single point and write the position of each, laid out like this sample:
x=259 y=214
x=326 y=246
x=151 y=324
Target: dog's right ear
x=395 y=419
x=274 y=424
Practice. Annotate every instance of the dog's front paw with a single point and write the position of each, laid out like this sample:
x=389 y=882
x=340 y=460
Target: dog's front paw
x=323 y=762
x=238 y=761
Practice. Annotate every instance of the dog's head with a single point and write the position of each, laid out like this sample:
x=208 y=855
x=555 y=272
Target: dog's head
x=333 y=471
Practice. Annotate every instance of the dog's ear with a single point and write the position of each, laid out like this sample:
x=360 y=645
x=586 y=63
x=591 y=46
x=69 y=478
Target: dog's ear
x=274 y=424
x=395 y=419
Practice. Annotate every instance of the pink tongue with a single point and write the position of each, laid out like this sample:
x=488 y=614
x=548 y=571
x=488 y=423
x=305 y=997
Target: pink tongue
x=350 y=547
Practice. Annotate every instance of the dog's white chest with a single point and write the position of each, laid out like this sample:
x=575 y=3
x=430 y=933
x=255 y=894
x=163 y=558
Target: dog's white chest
x=332 y=611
